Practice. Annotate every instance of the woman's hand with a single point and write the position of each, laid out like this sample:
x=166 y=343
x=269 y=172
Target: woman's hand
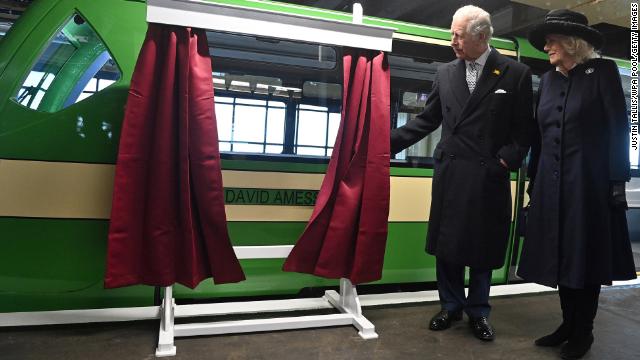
x=618 y=195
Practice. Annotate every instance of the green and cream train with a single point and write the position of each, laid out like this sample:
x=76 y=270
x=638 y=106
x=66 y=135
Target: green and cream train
x=65 y=68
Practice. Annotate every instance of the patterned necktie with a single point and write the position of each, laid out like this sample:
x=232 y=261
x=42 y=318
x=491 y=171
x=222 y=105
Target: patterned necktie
x=472 y=75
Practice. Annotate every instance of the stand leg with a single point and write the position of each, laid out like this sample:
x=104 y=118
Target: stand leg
x=348 y=302
x=166 y=333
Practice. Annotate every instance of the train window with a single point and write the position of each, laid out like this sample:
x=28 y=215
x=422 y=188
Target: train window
x=250 y=125
x=272 y=51
x=316 y=130
x=4 y=28
x=74 y=66
x=317 y=126
x=275 y=96
x=411 y=82
x=625 y=77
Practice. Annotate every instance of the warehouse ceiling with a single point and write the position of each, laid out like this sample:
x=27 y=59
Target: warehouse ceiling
x=510 y=17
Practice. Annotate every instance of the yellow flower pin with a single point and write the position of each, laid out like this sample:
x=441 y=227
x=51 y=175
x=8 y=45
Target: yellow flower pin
x=496 y=72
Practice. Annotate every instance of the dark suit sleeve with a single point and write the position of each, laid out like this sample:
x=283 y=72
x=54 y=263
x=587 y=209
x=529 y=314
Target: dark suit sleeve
x=616 y=113
x=536 y=139
x=426 y=122
x=521 y=124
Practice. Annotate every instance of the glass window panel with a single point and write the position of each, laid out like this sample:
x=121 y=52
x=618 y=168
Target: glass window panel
x=634 y=156
x=104 y=83
x=224 y=146
x=334 y=124
x=250 y=101
x=68 y=68
x=314 y=89
x=312 y=128
x=4 y=27
x=224 y=116
x=224 y=99
x=274 y=149
x=411 y=82
x=304 y=150
x=91 y=86
x=38 y=98
x=414 y=100
x=253 y=148
x=424 y=147
x=249 y=124
x=275 y=125
x=312 y=107
x=270 y=50
x=255 y=75
x=84 y=95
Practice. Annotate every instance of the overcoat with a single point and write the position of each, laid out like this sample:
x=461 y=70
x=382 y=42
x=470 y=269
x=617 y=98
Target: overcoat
x=471 y=193
x=574 y=236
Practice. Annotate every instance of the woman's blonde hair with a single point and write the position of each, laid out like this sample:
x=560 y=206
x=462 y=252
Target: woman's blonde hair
x=577 y=48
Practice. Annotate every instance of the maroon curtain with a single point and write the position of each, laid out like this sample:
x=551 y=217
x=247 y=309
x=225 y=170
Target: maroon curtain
x=168 y=222
x=347 y=232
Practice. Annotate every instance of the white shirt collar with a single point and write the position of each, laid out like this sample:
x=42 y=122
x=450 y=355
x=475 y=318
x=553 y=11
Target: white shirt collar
x=482 y=59
x=558 y=69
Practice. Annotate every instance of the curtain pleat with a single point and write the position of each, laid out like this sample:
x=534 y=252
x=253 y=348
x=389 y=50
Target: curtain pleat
x=168 y=223
x=346 y=235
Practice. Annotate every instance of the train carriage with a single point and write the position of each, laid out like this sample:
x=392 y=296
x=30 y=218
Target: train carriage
x=65 y=68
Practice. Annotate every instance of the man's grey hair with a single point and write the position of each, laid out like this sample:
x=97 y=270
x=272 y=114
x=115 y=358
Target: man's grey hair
x=478 y=21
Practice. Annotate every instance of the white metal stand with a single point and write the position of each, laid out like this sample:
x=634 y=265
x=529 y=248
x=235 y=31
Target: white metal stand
x=347 y=302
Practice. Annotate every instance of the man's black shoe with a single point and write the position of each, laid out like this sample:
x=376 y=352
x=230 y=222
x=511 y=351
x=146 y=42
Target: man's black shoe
x=481 y=328
x=443 y=319
x=556 y=338
x=576 y=348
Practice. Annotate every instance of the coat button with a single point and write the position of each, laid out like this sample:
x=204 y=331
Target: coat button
x=557 y=157
x=555 y=173
x=559 y=108
x=558 y=124
x=562 y=93
x=556 y=140
x=452 y=156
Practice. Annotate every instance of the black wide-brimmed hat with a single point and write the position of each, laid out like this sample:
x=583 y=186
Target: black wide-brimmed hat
x=565 y=22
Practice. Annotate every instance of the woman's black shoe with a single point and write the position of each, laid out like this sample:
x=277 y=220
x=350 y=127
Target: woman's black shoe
x=575 y=349
x=556 y=338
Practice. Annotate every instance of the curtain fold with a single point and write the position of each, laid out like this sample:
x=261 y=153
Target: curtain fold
x=346 y=235
x=168 y=223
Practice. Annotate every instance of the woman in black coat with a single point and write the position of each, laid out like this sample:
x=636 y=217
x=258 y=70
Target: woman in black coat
x=577 y=237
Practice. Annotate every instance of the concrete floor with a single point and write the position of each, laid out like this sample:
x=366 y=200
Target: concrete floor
x=403 y=335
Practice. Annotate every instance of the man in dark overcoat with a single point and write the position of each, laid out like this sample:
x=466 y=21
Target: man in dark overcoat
x=483 y=100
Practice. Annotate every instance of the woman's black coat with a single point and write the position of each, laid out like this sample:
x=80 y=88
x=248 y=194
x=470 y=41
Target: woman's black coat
x=575 y=237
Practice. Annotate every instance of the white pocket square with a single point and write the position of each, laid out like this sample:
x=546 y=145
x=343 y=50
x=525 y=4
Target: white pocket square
x=500 y=91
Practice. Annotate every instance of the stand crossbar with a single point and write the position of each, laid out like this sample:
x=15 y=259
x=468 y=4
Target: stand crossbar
x=346 y=302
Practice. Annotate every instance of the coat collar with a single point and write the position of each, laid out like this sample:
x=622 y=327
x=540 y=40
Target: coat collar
x=458 y=81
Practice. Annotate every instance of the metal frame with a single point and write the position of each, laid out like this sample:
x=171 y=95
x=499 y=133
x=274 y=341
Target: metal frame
x=244 y=20
x=346 y=302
